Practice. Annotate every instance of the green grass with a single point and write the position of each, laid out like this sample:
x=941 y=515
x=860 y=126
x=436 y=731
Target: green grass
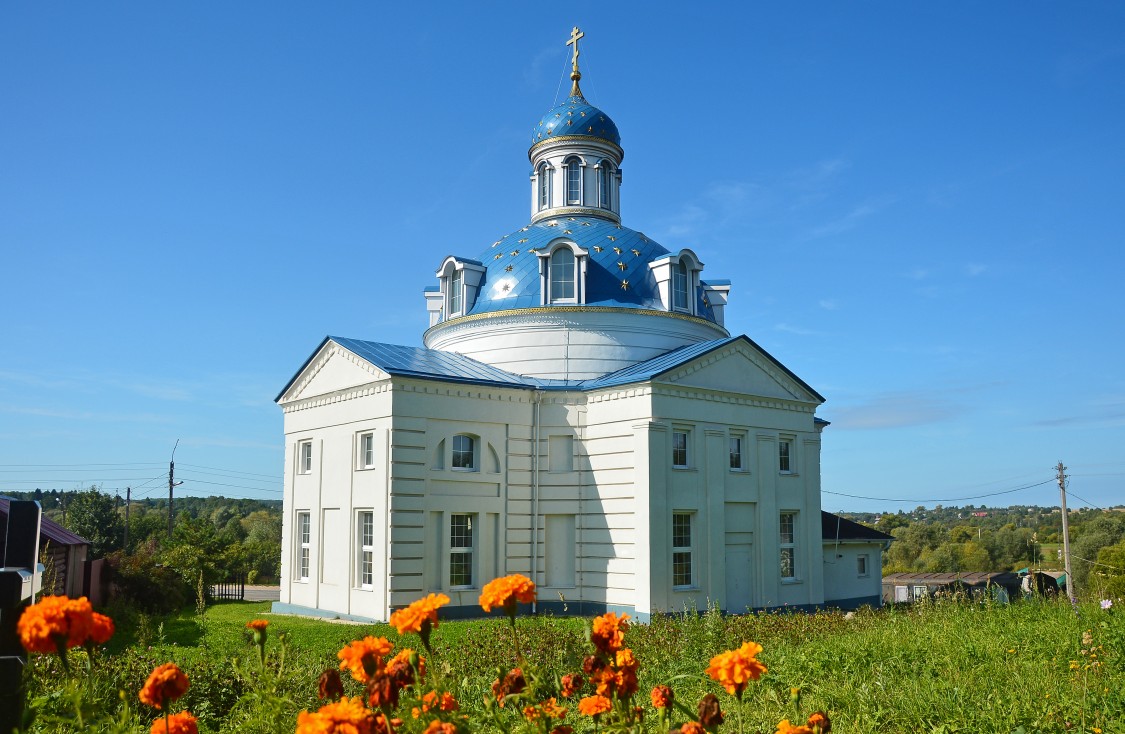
x=942 y=667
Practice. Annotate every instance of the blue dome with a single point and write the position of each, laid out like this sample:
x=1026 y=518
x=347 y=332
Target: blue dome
x=576 y=116
x=617 y=273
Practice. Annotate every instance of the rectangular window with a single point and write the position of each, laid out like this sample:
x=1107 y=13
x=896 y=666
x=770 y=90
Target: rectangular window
x=464 y=452
x=304 y=457
x=304 y=544
x=736 y=453
x=680 y=287
x=365 y=563
x=460 y=551
x=861 y=565
x=919 y=592
x=679 y=449
x=366 y=450
x=788 y=545
x=681 y=549
x=455 y=292
x=784 y=455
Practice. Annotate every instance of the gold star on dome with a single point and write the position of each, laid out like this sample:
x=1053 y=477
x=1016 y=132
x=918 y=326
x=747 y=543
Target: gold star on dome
x=497 y=256
x=590 y=129
x=508 y=269
x=617 y=250
x=598 y=248
x=567 y=231
x=523 y=240
x=611 y=238
x=624 y=285
x=571 y=219
x=553 y=223
x=583 y=114
x=585 y=224
x=507 y=287
x=636 y=252
x=515 y=252
x=532 y=249
x=621 y=265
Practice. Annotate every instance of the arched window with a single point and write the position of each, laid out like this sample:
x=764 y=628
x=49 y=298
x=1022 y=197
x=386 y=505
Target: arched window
x=562 y=275
x=464 y=452
x=455 y=292
x=603 y=185
x=544 y=186
x=680 y=286
x=573 y=181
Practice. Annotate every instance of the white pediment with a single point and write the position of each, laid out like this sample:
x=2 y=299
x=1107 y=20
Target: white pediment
x=332 y=369
x=739 y=368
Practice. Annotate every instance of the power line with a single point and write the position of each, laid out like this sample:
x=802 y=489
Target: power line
x=236 y=486
x=234 y=476
x=942 y=501
x=124 y=463
x=232 y=471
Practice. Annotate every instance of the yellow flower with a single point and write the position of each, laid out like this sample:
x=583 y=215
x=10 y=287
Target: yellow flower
x=735 y=668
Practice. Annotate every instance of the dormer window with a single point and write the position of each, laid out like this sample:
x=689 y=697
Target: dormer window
x=455 y=283
x=544 y=176
x=562 y=276
x=573 y=181
x=680 y=286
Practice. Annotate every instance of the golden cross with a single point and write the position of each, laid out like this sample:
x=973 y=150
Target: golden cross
x=575 y=34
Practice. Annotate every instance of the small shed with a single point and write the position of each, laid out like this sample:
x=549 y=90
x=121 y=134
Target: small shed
x=853 y=562
x=62 y=552
x=904 y=588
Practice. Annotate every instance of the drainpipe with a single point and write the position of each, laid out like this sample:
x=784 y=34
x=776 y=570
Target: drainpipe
x=538 y=399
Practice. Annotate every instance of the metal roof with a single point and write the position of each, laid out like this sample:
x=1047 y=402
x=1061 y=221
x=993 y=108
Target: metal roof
x=575 y=116
x=48 y=528
x=833 y=527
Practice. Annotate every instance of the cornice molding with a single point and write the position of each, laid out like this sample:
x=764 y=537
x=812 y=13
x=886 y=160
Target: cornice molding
x=763 y=364
x=332 y=350
x=569 y=211
x=548 y=310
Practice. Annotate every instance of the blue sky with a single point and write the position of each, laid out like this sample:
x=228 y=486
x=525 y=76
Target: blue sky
x=920 y=206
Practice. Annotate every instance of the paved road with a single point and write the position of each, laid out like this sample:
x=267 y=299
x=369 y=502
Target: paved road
x=263 y=593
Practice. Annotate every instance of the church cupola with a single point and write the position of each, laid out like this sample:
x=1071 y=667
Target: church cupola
x=575 y=157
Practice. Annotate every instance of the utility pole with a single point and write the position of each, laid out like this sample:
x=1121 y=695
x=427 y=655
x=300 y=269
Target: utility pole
x=128 y=499
x=1066 y=533
x=172 y=483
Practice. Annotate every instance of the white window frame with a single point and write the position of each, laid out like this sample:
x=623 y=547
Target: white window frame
x=543 y=193
x=574 y=165
x=365 y=451
x=605 y=195
x=473 y=452
x=786 y=459
x=681 y=297
x=460 y=550
x=304 y=456
x=303 y=561
x=863 y=565
x=365 y=549
x=553 y=267
x=741 y=453
x=685 y=449
x=787 y=548
x=456 y=292
x=919 y=592
x=682 y=550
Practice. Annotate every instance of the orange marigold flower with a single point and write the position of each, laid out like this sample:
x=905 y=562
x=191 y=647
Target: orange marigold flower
x=413 y=617
x=692 y=727
x=382 y=690
x=181 y=723
x=608 y=632
x=257 y=624
x=571 y=684
x=438 y=726
x=506 y=591
x=55 y=623
x=820 y=723
x=626 y=673
x=409 y=658
x=166 y=683
x=784 y=727
x=594 y=705
x=101 y=629
x=512 y=684
x=330 y=686
x=363 y=657
x=604 y=681
x=346 y=716
x=548 y=709
x=735 y=668
x=662 y=697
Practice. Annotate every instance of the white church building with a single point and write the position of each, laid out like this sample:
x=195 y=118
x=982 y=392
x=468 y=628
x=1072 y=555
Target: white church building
x=578 y=414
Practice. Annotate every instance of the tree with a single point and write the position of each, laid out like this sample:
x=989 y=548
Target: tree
x=93 y=515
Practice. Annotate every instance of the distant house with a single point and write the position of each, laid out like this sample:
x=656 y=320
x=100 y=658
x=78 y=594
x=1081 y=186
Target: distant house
x=853 y=562
x=61 y=551
x=904 y=588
